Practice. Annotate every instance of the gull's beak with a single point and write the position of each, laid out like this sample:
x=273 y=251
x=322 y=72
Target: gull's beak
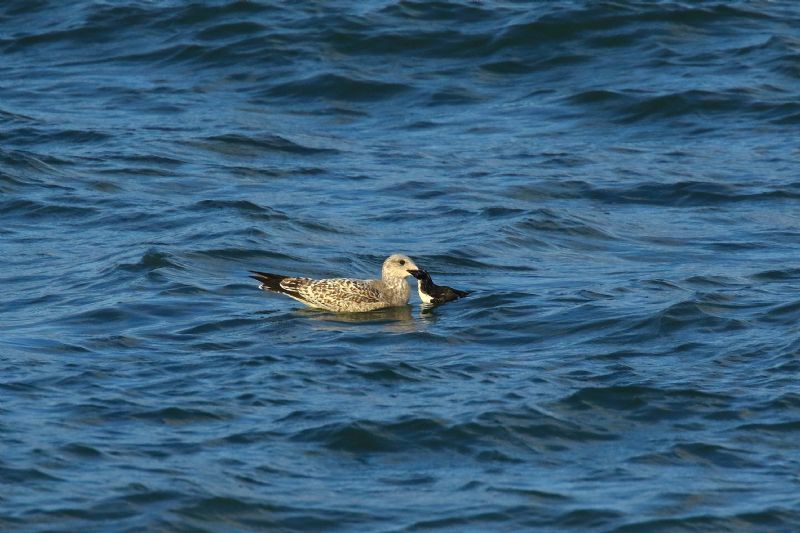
x=416 y=273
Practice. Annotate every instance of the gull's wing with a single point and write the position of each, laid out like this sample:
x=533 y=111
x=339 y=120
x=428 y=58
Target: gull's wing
x=333 y=293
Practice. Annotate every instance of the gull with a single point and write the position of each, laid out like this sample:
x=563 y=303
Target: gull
x=346 y=295
x=430 y=293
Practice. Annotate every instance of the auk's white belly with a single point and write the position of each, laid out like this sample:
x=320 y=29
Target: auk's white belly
x=426 y=298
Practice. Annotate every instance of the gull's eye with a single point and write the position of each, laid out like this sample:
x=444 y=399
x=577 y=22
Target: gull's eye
x=402 y=262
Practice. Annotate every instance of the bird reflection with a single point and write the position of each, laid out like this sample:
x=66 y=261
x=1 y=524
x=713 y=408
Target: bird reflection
x=395 y=319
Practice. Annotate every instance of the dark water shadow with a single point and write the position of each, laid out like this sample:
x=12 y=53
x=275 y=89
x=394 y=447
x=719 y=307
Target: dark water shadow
x=390 y=314
x=394 y=319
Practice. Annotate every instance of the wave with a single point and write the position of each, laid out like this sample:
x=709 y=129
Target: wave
x=248 y=145
x=632 y=107
x=37 y=210
x=482 y=436
x=337 y=87
x=181 y=415
x=676 y=194
x=8 y=117
x=152 y=259
x=438 y=11
x=82 y=451
x=454 y=30
x=775 y=427
x=26 y=475
x=38 y=136
x=243 y=208
x=22 y=169
x=690 y=316
x=543 y=228
x=516 y=67
x=775 y=517
x=260 y=514
x=572 y=24
x=639 y=403
x=699 y=453
x=613 y=180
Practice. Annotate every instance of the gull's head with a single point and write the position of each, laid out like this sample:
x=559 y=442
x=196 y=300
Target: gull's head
x=398 y=266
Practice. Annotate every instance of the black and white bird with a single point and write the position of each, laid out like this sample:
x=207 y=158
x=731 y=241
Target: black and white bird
x=345 y=295
x=430 y=293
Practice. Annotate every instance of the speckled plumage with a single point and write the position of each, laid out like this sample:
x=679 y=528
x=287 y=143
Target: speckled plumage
x=346 y=295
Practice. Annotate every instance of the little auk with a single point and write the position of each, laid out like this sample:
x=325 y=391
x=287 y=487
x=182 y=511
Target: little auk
x=430 y=293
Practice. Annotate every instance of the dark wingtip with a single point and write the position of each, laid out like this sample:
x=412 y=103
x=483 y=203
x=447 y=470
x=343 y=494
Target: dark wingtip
x=268 y=281
x=258 y=275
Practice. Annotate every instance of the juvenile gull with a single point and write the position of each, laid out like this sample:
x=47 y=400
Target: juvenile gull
x=430 y=293
x=345 y=295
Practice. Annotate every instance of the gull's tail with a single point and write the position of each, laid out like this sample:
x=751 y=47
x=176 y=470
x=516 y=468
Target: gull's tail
x=269 y=282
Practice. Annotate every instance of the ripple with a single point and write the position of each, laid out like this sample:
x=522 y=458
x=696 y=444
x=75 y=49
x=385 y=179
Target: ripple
x=644 y=403
x=390 y=373
x=25 y=475
x=82 y=450
x=546 y=227
x=480 y=436
x=231 y=30
x=338 y=87
x=778 y=427
x=769 y=518
x=438 y=11
x=218 y=325
x=248 y=145
x=699 y=453
x=181 y=415
x=152 y=259
x=244 y=254
x=38 y=136
x=532 y=494
x=616 y=182
x=37 y=210
x=634 y=107
x=519 y=68
x=243 y=207
x=252 y=513
x=678 y=194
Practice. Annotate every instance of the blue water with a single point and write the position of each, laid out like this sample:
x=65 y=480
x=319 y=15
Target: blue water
x=617 y=182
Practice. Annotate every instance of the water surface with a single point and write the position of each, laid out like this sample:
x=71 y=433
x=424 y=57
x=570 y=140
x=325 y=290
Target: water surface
x=616 y=182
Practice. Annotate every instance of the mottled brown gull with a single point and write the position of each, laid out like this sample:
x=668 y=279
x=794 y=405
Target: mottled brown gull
x=345 y=295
